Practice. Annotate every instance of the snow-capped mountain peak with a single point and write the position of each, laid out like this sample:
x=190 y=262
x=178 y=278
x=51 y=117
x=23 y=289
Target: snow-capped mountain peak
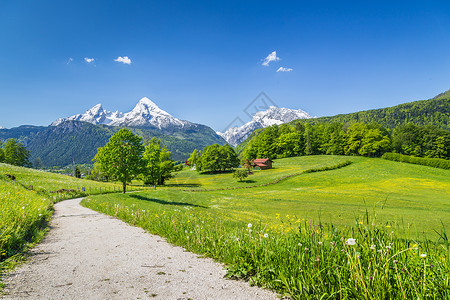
x=95 y=115
x=272 y=116
x=145 y=113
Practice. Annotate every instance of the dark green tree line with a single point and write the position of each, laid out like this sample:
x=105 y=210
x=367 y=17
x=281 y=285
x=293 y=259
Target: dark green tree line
x=371 y=140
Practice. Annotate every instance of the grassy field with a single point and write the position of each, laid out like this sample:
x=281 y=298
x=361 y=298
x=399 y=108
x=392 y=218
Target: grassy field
x=413 y=196
x=298 y=241
x=188 y=179
x=49 y=183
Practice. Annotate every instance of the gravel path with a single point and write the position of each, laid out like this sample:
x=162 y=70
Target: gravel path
x=88 y=255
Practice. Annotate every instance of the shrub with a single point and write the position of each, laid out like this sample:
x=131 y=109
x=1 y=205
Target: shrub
x=240 y=174
x=430 y=162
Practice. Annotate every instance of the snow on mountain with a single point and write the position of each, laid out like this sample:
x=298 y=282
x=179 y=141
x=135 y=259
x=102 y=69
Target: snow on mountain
x=145 y=113
x=95 y=115
x=1 y=127
x=272 y=116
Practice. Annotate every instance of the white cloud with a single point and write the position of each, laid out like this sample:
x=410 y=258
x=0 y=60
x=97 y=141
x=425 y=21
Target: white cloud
x=70 y=60
x=88 y=60
x=125 y=60
x=271 y=57
x=283 y=69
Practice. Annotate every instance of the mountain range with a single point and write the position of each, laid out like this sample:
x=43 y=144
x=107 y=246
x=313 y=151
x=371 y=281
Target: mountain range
x=76 y=138
x=145 y=113
x=262 y=119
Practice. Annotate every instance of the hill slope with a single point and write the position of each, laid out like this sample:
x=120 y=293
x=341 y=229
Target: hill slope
x=435 y=111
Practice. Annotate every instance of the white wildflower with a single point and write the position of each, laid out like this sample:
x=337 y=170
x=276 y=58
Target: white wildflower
x=351 y=241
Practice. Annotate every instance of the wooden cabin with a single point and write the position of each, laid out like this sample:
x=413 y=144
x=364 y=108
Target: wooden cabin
x=262 y=164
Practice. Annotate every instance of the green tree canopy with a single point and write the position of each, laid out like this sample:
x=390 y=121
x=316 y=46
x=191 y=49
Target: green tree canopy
x=158 y=165
x=240 y=174
x=216 y=158
x=121 y=157
x=194 y=158
x=16 y=154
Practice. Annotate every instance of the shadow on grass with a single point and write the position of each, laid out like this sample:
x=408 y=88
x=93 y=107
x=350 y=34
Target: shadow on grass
x=159 y=201
x=246 y=181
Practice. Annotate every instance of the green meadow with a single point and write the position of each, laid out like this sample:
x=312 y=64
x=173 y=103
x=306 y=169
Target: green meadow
x=296 y=236
x=413 y=196
x=371 y=229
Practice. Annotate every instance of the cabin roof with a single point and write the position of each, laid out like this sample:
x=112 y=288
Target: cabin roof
x=261 y=160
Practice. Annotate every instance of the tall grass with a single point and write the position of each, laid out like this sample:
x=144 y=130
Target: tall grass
x=23 y=216
x=300 y=258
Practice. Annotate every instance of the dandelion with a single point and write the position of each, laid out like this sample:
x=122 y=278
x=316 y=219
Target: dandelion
x=388 y=226
x=351 y=241
x=423 y=255
x=266 y=235
x=249 y=225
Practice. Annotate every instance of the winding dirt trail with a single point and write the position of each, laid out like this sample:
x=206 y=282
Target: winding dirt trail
x=88 y=255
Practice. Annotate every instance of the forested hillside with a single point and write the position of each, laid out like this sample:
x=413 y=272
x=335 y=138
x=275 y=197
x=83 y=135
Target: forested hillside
x=75 y=141
x=435 y=112
x=373 y=140
x=418 y=128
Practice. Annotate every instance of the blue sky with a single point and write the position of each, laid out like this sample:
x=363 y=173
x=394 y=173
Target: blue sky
x=203 y=60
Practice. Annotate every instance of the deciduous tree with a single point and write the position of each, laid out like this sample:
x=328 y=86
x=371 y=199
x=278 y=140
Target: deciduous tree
x=121 y=157
x=16 y=153
x=158 y=165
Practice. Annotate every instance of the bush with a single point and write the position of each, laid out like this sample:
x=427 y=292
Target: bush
x=240 y=174
x=430 y=162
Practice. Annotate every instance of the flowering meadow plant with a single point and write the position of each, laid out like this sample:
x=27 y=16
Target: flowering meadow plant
x=308 y=261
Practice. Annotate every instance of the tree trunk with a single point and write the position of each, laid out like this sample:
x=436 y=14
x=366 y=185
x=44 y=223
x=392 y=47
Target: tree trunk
x=124 y=187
